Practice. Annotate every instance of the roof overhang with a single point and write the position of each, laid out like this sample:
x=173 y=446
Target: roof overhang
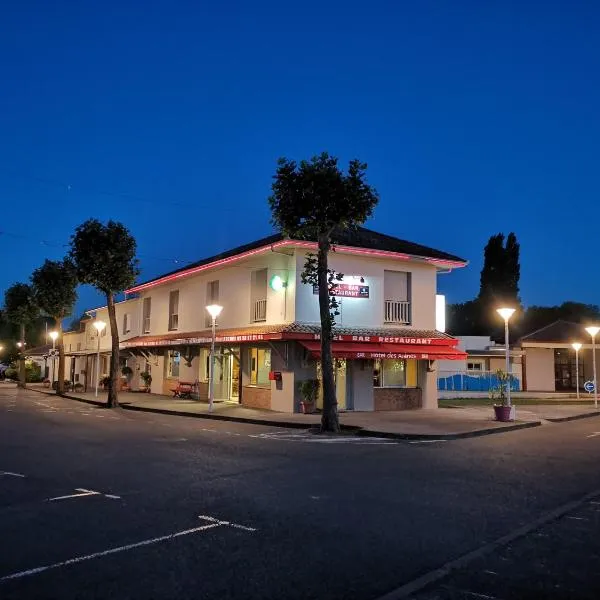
x=440 y=264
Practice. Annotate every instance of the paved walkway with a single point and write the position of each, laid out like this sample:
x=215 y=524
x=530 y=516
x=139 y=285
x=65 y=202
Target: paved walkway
x=443 y=423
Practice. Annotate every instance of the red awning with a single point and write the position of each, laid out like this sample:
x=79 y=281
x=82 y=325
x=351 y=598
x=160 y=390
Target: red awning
x=370 y=351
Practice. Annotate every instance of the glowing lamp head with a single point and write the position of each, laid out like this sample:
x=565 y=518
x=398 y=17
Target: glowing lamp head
x=592 y=330
x=53 y=335
x=277 y=283
x=99 y=325
x=576 y=346
x=505 y=313
x=214 y=310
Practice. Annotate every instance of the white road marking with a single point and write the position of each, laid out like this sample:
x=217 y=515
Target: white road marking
x=427 y=441
x=316 y=439
x=112 y=496
x=577 y=518
x=228 y=523
x=83 y=492
x=595 y=434
x=79 y=559
x=11 y=474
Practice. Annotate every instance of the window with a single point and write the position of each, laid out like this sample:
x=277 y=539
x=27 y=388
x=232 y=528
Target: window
x=126 y=323
x=260 y=365
x=396 y=290
x=147 y=308
x=78 y=346
x=173 y=310
x=258 y=296
x=395 y=373
x=474 y=366
x=204 y=364
x=173 y=360
x=212 y=297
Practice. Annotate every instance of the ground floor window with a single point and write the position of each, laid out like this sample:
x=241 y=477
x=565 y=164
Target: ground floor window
x=259 y=360
x=395 y=373
x=474 y=366
x=565 y=370
x=173 y=361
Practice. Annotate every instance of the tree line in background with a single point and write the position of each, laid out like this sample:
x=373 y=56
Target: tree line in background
x=102 y=255
x=499 y=286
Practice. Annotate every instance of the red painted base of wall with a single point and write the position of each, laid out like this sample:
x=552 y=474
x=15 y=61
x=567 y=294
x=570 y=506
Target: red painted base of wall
x=253 y=397
x=397 y=398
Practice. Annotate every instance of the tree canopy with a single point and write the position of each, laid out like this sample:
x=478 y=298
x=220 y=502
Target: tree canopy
x=20 y=306
x=55 y=288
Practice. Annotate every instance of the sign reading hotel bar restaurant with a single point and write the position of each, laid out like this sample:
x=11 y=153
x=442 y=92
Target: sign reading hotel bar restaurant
x=347 y=290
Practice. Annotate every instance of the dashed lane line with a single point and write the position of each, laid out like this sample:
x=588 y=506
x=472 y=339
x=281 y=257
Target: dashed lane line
x=11 y=474
x=212 y=523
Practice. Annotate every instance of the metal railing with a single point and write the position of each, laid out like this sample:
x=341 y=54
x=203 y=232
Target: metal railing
x=259 y=312
x=146 y=328
x=396 y=311
x=473 y=381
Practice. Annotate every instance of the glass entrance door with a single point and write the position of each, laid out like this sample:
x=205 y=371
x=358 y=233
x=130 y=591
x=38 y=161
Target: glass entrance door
x=339 y=379
x=234 y=391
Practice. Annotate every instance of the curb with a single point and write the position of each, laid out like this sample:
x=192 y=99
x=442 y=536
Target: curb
x=448 y=436
x=356 y=429
x=573 y=417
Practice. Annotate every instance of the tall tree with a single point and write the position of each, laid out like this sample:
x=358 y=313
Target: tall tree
x=21 y=310
x=104 y=256
x=315 y=200
x=54 y=288
x=499 y=282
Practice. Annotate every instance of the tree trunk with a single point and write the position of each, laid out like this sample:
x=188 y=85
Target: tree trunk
x=329 y=418
x=113 y=389
x=22 y=372
x=60 y=384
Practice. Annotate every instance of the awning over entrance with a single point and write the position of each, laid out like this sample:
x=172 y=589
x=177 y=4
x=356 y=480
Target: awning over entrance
x=377 y=350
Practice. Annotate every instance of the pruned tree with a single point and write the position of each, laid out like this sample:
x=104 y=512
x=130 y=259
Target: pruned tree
x=104 y=256
x=21 y=310
x=55 y=292
x=315 y=200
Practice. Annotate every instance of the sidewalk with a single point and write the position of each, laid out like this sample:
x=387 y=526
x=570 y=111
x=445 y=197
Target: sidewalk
x=441 y=424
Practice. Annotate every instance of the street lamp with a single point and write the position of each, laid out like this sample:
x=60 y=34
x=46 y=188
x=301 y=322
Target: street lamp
x=577 y=347
x=214 y=311
x=53 y=336
x=593 y=330
x=506 y=314
x=99 y=325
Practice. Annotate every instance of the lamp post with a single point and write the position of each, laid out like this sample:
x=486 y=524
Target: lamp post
x=593 y=330
x=53 y=335
x=577 y=347
x=506 y=314
x=99 y=325
x=214 y=311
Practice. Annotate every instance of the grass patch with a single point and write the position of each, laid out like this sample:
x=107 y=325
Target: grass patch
x=462 y=402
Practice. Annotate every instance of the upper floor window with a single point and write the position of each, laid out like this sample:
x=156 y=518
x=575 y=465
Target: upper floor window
x=147 y=308
x=174 y=309
x=396 y=290
x=212 y=297
x=258 y=296
x=126 y=323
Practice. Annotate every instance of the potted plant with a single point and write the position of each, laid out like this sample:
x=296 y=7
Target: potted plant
x=309 y=390
x=126 y=372
x=147 y=379
x=502 y=409
x=105 y=382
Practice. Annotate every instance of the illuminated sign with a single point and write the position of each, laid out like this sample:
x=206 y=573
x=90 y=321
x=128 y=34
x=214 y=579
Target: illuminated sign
x=347 y=290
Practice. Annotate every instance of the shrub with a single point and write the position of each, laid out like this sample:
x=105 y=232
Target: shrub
x=11 y=373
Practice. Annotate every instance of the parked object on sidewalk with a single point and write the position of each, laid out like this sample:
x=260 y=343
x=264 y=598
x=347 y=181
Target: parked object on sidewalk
x=503 y=411
x=46 y=383
x=309 y=390
x=105 y=382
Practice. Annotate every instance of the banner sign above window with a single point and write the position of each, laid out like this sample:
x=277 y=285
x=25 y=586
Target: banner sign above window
x=347 y=290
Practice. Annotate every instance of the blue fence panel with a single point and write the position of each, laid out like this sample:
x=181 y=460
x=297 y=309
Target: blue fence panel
x=463 y=382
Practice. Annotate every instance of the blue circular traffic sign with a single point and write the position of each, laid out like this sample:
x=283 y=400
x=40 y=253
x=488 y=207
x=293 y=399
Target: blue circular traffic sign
x=588 y=386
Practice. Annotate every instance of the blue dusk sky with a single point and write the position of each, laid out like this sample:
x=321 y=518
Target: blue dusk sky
x=474 y=117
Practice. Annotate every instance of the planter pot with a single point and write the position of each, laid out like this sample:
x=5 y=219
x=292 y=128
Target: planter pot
x=504 y=413
x=307 y=407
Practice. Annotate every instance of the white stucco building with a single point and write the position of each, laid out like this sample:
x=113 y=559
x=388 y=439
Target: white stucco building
x=386 y=346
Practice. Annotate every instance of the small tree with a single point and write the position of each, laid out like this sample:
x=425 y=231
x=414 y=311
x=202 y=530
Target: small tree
x=316 y=200
x=21 y=310
x=104 y=256
x=54 y=288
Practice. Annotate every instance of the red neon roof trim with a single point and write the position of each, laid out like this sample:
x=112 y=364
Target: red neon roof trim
x=294 y=243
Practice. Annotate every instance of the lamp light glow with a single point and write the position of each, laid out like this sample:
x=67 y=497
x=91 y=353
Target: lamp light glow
x=53 y=335
x=277 y=283
x=99 y=325
x=505 y=313
x=592 y=330
x=214 y=310
x=576 y=346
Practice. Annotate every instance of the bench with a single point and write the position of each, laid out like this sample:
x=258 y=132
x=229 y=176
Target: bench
x=184 y=390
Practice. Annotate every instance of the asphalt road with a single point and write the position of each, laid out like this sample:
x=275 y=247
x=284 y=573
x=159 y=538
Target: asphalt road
x=117 y=504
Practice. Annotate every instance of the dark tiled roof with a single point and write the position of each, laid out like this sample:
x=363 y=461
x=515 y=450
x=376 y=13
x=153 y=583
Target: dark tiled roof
x=561 y=332
x=358 y=238
x=38 y=350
